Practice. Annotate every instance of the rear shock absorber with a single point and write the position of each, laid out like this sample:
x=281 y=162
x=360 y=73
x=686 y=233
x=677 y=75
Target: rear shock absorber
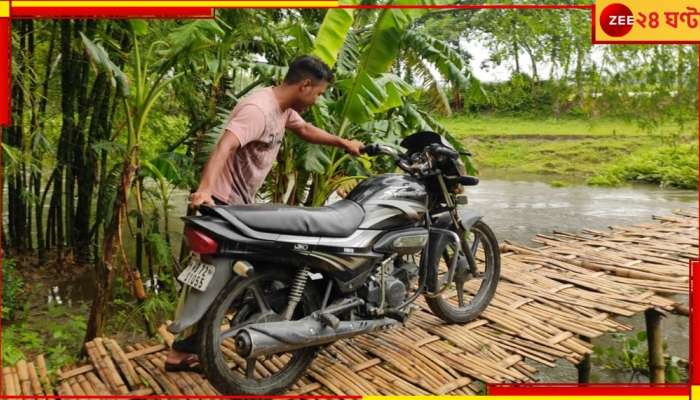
x=295 y=292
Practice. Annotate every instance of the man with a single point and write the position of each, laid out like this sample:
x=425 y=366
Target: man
x=246 y=150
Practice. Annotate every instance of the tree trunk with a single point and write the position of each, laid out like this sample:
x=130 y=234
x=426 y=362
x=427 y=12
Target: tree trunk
x=81 y=166
x=533 y=61
x=579 y=75
x=34 y=175
x=43 y=102
x=65 y=146
x=515 y=46
x=105 y=267
x=17 y=209
x=87 y=174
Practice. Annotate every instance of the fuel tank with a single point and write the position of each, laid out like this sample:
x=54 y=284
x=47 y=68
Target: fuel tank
x=390 y=201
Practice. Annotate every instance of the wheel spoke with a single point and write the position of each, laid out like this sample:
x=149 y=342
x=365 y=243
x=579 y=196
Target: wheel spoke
x=250 y=367
x=460 y=292
x=475 y=245
x=230 y=332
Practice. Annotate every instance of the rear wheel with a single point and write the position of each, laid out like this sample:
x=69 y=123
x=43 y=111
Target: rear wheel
x=472 y=287
x=262 y=298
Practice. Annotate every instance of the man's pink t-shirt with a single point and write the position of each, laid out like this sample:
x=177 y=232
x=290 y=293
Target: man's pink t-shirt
x=259 y=124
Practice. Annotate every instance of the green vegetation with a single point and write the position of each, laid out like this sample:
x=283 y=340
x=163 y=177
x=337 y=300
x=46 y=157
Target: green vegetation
x=672 y=166
x=12 y=290
x=607 y=151
x=467 y=126
x=51 y=331
x=630 y=355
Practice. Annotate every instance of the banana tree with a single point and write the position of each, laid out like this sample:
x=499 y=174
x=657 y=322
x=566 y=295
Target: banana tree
x=151 y=72
x=368 y=51
x=369 y=93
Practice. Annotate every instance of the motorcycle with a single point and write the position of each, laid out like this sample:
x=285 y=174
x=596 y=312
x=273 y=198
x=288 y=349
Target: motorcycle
x=269 y=285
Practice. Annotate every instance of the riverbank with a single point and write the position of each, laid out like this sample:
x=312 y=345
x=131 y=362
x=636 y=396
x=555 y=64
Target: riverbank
x=603 y=152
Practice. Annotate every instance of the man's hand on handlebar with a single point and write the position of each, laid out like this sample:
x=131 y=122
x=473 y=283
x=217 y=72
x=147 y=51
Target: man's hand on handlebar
x=375 y=149
x=353 y=147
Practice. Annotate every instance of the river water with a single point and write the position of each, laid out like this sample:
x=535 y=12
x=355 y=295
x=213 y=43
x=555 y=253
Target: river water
x=519 y=207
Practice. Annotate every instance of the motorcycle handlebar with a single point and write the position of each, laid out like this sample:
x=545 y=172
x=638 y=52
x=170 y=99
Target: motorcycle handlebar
x=443 y=151
x=370 y=149
x=375 y=149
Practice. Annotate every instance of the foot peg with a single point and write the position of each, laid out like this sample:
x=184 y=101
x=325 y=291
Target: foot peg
x=400 y=316
x=330 y=320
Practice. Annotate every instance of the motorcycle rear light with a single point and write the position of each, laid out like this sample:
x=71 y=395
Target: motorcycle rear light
x=200 y=243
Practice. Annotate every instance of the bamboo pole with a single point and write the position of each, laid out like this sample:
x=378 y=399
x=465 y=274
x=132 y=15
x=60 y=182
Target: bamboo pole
x=584 y=367
x=655 y=346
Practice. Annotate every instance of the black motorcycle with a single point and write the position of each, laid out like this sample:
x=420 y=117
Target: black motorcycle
x=269 y=285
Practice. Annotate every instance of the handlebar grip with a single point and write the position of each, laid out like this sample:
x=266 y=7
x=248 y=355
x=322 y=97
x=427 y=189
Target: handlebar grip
x=468 y=180
x=370 y=149
x=446 y=152
x=465 y=180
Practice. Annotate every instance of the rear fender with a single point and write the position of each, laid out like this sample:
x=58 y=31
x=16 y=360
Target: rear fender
x=193 y=304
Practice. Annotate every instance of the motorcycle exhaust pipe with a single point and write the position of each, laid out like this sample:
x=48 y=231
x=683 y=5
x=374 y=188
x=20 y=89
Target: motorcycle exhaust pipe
x=269 y=338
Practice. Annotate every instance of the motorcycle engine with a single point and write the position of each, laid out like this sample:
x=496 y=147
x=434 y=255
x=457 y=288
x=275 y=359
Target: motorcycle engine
x=396 y=279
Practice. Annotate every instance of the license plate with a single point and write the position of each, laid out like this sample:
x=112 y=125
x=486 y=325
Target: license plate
x=197 y=275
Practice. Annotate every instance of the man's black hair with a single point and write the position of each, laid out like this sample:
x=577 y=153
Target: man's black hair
x=308 y=67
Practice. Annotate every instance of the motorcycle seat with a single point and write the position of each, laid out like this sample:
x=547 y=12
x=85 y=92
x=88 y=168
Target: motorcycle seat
x=339 y=219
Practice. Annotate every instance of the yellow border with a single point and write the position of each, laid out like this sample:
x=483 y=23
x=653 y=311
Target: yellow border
x=173 y=3
x=4 y=9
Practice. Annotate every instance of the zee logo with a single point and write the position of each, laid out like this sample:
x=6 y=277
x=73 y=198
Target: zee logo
x=621 y=20
x=616 y=20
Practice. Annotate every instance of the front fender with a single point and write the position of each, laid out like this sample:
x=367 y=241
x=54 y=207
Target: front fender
x=192 y=303
x=467 y=216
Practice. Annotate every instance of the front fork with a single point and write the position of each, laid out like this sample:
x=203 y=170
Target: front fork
x=461 y=225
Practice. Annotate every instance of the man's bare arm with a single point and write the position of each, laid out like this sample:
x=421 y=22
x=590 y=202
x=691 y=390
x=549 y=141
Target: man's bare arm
x=227 y=145
x=316 y=135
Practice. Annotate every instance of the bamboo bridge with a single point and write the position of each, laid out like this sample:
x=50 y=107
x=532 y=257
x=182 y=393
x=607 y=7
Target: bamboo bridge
x=551 y=301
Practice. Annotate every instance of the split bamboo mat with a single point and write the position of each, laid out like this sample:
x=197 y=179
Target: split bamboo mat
x=550 y=301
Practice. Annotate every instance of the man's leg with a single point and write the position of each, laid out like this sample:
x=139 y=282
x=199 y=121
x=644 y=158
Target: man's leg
x=185 y=347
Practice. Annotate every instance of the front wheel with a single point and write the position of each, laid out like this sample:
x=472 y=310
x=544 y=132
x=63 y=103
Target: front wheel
x=473 y=286
x=262 y=298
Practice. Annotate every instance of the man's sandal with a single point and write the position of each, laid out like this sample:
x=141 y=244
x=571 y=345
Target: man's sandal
x=188 y=364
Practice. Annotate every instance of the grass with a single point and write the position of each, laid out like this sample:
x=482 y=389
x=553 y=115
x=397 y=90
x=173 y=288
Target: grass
x=605 y=151
x=490 y=125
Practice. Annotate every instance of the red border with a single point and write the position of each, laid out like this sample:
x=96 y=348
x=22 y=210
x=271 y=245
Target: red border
x=5 y=73
x=693 y=325
x=493 y=389
x=85 y=12
x=600 y=389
